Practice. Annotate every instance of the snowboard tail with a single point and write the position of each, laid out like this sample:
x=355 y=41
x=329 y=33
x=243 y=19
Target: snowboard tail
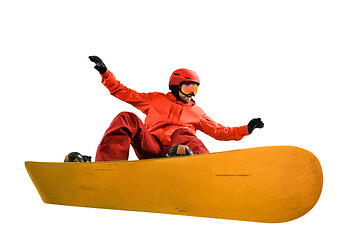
x=267 y=184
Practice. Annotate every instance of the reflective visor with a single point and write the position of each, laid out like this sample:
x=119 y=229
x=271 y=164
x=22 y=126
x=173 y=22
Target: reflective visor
x=188 y=88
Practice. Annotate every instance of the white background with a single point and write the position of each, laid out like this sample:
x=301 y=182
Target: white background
x=295 y=64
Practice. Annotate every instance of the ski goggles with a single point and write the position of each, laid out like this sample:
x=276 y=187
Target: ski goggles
x=189 y=88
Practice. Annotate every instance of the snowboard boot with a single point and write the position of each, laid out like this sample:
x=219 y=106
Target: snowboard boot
x=179 y=150
x=77 y=157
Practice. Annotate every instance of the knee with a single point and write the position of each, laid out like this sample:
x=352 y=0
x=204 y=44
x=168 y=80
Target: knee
x=127 y=116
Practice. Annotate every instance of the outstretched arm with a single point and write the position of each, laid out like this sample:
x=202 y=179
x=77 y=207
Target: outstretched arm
x=224 y=133
x=139 y=100
x=220 y=132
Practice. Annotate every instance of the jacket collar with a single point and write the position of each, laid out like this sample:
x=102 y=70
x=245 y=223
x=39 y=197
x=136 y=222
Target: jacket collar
x=174 y=99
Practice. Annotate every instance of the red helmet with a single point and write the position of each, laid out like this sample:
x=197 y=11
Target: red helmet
x=183 y=75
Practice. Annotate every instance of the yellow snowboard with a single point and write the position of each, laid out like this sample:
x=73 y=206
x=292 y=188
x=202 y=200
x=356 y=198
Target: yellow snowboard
x=266 y=184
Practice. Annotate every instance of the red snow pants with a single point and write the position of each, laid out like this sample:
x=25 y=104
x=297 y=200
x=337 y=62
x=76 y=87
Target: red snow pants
x=127 y=129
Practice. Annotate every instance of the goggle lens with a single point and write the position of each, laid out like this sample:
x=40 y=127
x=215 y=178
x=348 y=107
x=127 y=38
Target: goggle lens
x=189 y=88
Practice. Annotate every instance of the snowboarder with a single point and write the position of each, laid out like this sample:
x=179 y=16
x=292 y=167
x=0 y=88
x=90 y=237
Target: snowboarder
x=170 y=124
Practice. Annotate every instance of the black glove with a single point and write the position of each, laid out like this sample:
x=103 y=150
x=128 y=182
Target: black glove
x=255 y=123
x=100 y=66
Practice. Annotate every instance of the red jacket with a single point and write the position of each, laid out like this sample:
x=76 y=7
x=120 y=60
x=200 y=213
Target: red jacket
x=165 y=114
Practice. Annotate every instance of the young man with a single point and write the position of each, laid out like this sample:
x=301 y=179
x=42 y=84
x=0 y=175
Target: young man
x=170 y=124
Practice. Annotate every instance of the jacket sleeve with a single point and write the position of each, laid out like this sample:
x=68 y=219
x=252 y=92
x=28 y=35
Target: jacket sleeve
x=139 y=100
x=220 y=132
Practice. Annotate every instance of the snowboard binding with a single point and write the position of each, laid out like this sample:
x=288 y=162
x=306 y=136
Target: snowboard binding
x=77 y=157
x=179 y=150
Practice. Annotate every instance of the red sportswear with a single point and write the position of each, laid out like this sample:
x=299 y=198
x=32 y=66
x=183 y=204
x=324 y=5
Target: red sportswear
x=165 y=114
